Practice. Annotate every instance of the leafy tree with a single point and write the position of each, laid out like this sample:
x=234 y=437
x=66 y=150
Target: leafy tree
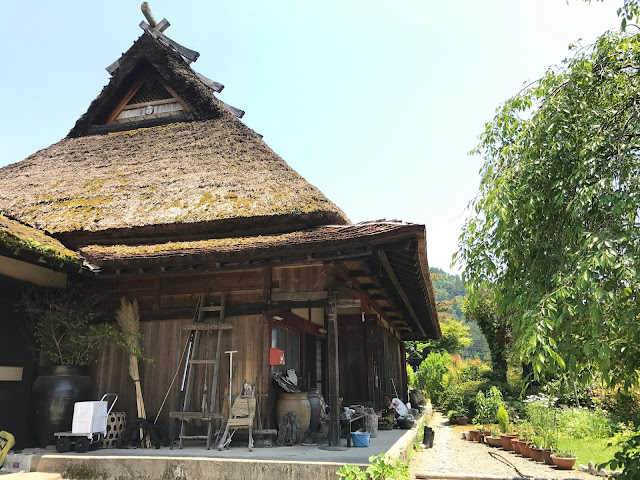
x=555 y=225
x=495 y=328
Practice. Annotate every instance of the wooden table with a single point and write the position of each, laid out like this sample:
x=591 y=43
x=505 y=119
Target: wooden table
x=349 y=422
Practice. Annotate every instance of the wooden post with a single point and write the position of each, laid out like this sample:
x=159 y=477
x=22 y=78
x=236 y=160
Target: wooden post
x=333 y=373
x=371 y=322
x=403 y=373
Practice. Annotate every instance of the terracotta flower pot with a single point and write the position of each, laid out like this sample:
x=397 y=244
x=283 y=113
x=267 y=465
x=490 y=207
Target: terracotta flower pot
x=506 y=441
x=462 y=420
x=546 y=454
x=525 y=451
x=493 y=441
x=563 y=463
x=536 y=454
x=474 y=435
x=515 y=442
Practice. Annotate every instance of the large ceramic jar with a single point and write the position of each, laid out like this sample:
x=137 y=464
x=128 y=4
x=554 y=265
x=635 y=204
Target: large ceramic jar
x=316 y=407
x=53 y=396
x=297 y=403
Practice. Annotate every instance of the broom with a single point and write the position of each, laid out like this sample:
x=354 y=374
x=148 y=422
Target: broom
x=129 y=321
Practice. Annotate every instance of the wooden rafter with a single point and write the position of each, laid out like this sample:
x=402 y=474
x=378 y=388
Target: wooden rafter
x=392 y=276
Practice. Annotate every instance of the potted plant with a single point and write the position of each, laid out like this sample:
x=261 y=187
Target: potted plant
x=536 y=450
x=564 y=459
x=406 y=422
x=493 y=439
x=503 y=422
x=483 y=415
x=385 y=423
x=525 y=445
x=61 y=324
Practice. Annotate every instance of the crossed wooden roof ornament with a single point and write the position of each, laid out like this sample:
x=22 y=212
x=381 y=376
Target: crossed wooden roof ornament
x=156 y=29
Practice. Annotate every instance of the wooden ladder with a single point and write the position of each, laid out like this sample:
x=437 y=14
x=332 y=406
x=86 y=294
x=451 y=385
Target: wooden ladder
x=201 y=331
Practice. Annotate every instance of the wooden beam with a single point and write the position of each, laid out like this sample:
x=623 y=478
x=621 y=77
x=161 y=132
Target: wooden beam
x=163 y=25
x=349 y=303
x=364 y=289
x=187 y=53
x=215 y=86
x=298 y=296
x=208 y=327
x=370 y=326
x=238 y=113
x=266 y=285
x=392 y=276
x=333 y=370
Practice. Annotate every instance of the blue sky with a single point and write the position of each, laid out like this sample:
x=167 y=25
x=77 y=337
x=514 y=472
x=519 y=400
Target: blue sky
x=376 y=103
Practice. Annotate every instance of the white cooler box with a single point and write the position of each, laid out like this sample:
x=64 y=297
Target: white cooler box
x=83 y=412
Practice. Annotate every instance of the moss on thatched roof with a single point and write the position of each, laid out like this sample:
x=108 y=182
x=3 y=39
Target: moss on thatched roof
x=16 y=238
x=311 y=240
x=182 y=179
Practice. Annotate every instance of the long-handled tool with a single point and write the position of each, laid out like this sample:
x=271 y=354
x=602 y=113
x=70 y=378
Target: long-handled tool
x=230 y=352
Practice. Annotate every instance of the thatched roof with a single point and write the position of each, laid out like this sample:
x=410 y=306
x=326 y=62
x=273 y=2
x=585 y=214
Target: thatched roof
x=325 y=237
x=18 y=240
x=205 y=176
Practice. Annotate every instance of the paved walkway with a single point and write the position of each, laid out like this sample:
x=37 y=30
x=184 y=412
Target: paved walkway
x=452 y=454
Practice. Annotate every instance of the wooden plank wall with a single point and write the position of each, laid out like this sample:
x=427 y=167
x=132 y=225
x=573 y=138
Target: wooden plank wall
x=310 y=278
x=164 y=342
x=165 y=339
x=352 y=358
x=390 y=365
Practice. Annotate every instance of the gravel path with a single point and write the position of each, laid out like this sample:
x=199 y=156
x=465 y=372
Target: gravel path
x=452 y=454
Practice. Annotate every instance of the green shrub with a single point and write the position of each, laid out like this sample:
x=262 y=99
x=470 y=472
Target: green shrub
x=429 y=378
x=471 y=388
x=382 y=467
x=503 y=419
x=542 y=415
x=629 y=455
x=582 y=423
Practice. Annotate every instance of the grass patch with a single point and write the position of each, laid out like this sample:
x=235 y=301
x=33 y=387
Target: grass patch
x=589 y=449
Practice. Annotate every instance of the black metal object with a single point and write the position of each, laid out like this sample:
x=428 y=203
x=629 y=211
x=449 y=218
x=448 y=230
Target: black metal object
x=427 y=439
x=131 y=436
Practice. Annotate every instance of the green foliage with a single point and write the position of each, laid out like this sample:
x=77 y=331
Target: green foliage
x=628 y=457
x=503 y=419
x=481 y=308
x=542 y=415
x=351 y=472
x=554 y=228
x=429 y=378
x=382 y=467
x=564 y=453
x=450 y=292
x=583 y=423
x=459 y=336
x=487 y=406
x=63 y=323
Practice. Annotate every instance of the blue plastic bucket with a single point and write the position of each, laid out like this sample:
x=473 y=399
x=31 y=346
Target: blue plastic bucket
x=360 y=439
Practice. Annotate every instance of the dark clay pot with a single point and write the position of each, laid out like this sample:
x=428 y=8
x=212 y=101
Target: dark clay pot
x=53 y=396
x=314 y=402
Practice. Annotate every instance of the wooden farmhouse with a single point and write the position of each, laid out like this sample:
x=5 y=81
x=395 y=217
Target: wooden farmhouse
x=166 y=197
